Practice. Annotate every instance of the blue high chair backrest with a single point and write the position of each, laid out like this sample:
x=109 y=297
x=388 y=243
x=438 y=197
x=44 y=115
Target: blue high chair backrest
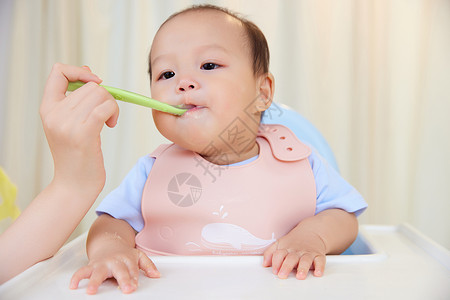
x=303 y=129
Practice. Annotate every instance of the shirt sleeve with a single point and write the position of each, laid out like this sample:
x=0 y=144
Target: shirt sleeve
x=332 y=190
x=124 y=202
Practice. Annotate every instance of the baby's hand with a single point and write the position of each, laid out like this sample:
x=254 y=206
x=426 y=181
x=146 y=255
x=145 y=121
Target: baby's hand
x=123 y=265
x=296 y=250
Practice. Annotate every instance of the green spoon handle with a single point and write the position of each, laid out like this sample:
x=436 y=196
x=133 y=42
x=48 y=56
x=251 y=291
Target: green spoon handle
x=134 y=98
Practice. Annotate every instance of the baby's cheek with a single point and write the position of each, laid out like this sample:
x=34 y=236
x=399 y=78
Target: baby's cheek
x=163 y=123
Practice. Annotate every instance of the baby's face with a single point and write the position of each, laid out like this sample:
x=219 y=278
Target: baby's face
x=202 y=60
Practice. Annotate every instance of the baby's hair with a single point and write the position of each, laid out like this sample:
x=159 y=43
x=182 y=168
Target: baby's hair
x=256 y=39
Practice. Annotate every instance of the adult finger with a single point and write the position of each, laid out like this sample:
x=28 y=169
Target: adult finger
x=86 y=99
x=107 y=112
x=57 y=82
x=87 y=68
x=90 y=95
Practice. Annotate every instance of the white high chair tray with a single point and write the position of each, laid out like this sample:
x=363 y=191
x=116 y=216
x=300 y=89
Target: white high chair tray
x=399 y=263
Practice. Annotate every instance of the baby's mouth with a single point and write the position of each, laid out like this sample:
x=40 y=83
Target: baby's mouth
x=189 y=107
x=185 y=106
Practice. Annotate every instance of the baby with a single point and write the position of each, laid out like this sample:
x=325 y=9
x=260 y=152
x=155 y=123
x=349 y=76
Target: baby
x=228 y=185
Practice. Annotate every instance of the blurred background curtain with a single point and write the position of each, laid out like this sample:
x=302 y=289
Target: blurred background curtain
x=372 y=75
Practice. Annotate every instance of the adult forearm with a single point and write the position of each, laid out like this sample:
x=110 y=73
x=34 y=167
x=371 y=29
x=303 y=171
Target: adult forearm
x=42 y=228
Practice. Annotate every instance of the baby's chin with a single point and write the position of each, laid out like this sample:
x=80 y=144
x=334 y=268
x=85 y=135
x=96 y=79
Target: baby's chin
x=196 y=134
x=195 y=143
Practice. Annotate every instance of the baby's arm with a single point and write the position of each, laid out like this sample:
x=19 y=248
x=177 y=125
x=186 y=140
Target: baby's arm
x=112 y=253
x=329 y=232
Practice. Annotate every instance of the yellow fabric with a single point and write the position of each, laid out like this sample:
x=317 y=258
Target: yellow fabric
x=8 y=193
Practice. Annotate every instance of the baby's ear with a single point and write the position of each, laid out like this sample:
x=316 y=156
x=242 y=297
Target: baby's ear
x=266 y=84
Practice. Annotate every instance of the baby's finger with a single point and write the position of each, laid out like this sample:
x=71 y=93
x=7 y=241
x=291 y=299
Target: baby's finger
x=97 y=277
x=319 y=265
x=277 y=260
x=268 y=255
x=146 y=265
x=82 y=273
x=290 y=262
x=125 y=281
x=304 y=265
x=133 y=270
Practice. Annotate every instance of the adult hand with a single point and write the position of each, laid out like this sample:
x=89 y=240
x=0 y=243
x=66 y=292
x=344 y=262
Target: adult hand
x=72 y=125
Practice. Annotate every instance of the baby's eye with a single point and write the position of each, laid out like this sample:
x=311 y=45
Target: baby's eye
x=209 y=66
x=167 y=75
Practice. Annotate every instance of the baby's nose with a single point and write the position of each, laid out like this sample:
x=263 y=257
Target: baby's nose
x=186 y=84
